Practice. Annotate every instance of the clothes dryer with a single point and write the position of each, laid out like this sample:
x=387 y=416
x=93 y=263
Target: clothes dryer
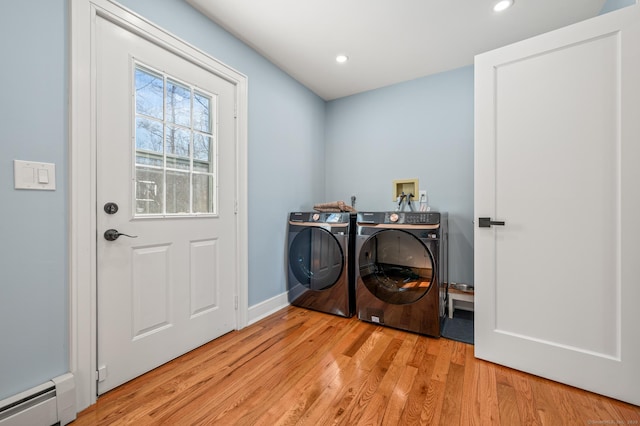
x=320 y=271
x=402 y=269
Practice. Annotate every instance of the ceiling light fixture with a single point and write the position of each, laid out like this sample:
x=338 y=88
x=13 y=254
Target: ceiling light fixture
x=502 y=5
x=341 y=59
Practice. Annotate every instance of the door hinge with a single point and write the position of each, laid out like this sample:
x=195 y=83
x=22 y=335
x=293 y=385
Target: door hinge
x=235 y=207
x=235 y=111
x=101 y=374
x=236 y=301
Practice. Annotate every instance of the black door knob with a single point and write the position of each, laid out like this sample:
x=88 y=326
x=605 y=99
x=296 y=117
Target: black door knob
x=112 y=235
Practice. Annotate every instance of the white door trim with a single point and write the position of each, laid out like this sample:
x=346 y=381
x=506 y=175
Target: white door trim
x=82 y=177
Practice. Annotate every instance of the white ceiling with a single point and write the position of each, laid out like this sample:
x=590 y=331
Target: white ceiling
x=387 y=41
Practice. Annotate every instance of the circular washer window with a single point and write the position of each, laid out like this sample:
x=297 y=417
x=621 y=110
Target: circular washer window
x=396 y=267
x=316 y=258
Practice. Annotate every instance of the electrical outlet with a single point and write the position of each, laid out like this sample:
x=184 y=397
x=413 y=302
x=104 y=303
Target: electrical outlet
x=422 y=195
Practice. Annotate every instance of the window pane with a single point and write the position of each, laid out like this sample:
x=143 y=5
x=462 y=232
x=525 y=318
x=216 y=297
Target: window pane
x=178 y=146
x=202 y=193
x=178 y=104
x=148 y=159
x=202 y=113
x=148 y=135
x=149 y=93
x=177 y=192
x=177 y=163
x=202 y=157
x=149 y=189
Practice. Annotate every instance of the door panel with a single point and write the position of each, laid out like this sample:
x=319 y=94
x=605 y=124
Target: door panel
x=561 y=160
x=171 y=286
x=556 y=154
x=151 y=297
x=204 y=278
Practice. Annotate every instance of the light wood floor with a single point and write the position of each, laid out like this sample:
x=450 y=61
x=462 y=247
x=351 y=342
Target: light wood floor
x=304 y=367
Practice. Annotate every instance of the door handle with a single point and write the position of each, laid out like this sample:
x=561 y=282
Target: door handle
x=486 y=222
x=112 y=235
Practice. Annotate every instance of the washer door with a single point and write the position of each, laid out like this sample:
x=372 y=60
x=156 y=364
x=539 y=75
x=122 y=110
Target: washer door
x=396 y=267
x=316 y=258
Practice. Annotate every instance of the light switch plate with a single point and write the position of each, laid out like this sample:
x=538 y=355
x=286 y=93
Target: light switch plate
x=34 y=175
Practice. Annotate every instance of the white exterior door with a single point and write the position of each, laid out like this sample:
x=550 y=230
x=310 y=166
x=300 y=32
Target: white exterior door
x=166 y=157
x=557 y=148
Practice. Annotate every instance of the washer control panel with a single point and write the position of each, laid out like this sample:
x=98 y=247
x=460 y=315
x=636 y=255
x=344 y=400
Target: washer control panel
x=400 y=218
x=421 y=218
x=413 y=218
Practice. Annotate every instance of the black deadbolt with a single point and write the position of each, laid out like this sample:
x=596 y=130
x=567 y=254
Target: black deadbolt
x=111 y=208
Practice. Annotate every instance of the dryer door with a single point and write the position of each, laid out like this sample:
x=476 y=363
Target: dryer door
x=316 y=258
x=396 y=267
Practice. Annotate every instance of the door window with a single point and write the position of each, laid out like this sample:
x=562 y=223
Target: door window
x=175 y=146
x=396 y=267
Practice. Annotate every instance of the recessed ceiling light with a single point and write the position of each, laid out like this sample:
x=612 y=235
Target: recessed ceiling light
x=502 y=5
x=341 y=59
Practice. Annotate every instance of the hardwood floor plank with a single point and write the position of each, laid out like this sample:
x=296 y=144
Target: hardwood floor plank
x=470 y=413
x=524 y=398
x=418 y=393
x=507 y=399
x=309 y=368
x=398 y=399
x=458 y=352
x=452 y=403
x=544 y=402
x=487 y=395
x=593 y=409
x=432 y=407
x=443 y=360
x=375 y=412
x=369 y=388
x=629 y=414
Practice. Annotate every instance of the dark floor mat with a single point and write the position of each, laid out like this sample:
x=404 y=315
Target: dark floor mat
x=460 y=327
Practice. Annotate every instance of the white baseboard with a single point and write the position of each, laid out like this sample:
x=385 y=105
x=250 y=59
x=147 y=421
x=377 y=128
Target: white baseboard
x=267 y=307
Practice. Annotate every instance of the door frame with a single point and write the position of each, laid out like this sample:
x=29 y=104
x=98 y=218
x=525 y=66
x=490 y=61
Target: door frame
x=82 y=177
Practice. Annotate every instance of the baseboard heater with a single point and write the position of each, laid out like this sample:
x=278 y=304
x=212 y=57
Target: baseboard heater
x=51 y=403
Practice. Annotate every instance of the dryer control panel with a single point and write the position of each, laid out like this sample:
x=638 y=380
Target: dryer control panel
x=319 y=217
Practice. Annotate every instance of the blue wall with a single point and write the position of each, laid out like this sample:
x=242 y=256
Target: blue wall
x=33 y=224
x=419 y=129
x=611 y=5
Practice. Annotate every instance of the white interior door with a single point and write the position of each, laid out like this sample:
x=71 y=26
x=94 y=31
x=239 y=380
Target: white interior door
x=557 y=152
x=166 y=158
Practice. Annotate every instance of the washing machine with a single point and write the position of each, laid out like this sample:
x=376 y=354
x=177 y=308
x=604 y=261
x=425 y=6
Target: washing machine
x=320 y=270
x=402 y=269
